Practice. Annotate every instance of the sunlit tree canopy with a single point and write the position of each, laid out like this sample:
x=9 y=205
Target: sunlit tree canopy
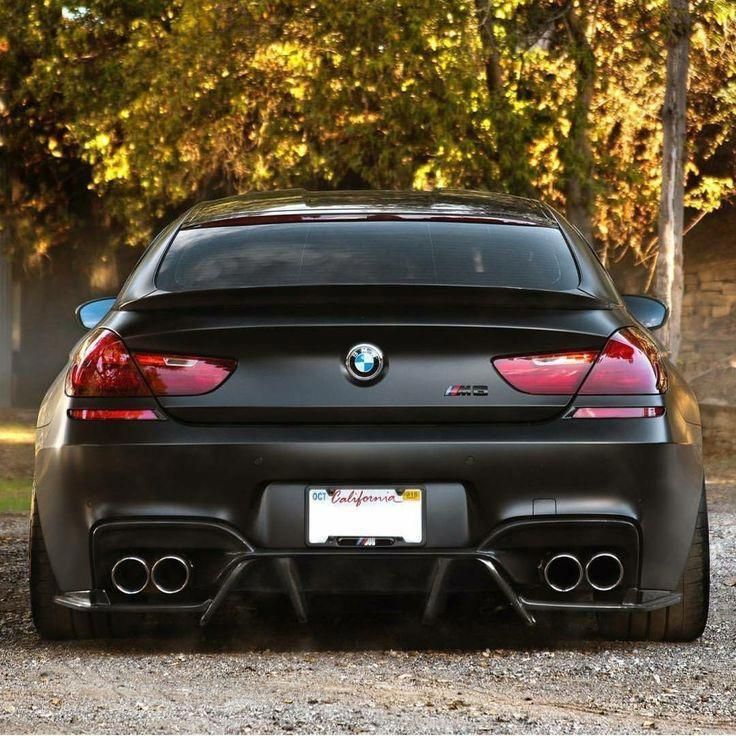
x=120 y=113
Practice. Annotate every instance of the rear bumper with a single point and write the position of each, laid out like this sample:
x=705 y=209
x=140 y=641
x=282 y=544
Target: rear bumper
x=481 y=480
x=634 y=600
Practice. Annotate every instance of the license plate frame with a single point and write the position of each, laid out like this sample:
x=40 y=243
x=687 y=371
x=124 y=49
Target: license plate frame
x=417 y=535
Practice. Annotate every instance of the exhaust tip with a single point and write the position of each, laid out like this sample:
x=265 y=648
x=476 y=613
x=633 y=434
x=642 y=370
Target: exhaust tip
x=130 y=575
x=604 y=571
x=170 y=574
x=563 y=572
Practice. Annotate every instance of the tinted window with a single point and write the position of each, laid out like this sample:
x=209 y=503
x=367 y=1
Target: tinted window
x=444 y=253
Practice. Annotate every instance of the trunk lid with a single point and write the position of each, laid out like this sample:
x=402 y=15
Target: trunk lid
x=291 y=362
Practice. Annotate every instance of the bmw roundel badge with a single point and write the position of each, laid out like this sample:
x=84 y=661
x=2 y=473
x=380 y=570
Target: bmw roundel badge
x=364 y=362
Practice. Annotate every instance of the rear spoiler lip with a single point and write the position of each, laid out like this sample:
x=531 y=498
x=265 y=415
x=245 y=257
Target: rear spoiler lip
x=366 y=295
x=362 y=216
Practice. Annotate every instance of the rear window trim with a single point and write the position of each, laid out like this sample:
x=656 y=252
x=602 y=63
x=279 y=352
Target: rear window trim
x=286 y=218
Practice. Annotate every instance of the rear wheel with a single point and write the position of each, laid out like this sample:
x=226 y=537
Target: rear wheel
x=51 y=620
x=684 y=621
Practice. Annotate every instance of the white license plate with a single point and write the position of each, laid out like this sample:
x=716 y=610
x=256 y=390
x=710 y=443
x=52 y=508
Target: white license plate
x=364 y=516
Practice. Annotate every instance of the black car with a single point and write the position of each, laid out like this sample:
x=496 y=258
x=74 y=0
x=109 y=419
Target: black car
x=388 y=392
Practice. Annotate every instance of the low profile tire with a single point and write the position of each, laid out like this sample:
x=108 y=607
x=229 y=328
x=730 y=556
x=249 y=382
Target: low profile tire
x=51 y=620
x=684 y=621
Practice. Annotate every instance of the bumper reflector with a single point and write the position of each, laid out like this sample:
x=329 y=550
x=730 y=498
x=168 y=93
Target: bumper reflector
x=613 y=412
x=114 y=414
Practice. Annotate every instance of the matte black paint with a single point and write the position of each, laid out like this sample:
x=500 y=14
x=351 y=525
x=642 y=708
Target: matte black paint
x=289 y=418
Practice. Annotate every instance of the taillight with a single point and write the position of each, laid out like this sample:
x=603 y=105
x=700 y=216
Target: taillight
x=617 y=412
x=629 y=364
x=183 y=375
x=548 y=373
x=103 y=367
x=100 y=415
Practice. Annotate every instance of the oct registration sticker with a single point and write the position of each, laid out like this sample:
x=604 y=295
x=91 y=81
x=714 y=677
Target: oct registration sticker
x=364 y=514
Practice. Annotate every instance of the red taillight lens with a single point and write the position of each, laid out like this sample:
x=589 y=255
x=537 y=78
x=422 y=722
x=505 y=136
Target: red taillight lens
x=629 y=364
x=183 y=375
x=96 y=415
x=102 y=366
x=549 y=373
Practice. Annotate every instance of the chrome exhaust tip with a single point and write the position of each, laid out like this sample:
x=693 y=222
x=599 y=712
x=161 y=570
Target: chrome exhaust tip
x=170 y=574
x=563 y=572
x=604 y=571
x=130 y=575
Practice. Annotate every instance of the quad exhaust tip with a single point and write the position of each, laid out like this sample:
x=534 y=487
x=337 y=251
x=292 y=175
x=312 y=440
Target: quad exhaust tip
x=130 y=575
x=170 y=574
x=604 y=571
x=563 y=572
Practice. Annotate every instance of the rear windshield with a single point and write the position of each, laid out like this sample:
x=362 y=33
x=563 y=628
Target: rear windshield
x=365 y=253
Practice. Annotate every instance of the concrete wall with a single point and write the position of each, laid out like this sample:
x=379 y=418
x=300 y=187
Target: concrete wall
x=708 y=356
x=709 y=308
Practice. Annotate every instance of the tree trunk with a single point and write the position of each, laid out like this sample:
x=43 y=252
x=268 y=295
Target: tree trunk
x=511 y=154
x=577 y=152
x=6 y=330
x=6 y=303
x=669 y=280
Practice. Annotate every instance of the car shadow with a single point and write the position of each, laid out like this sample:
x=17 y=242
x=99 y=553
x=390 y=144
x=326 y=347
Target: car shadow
x=360 y=623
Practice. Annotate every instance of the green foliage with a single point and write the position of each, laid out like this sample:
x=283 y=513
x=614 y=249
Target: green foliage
x=17 y=436
x=122 y=112
x=15 y=495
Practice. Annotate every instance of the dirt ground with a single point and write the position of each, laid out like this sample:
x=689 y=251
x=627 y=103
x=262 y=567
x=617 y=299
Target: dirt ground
x=372 y=667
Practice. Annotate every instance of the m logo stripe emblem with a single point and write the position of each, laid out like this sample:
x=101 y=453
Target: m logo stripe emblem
x=464 y=389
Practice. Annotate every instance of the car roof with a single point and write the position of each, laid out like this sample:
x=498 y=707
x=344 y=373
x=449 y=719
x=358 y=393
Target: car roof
x=302 y=204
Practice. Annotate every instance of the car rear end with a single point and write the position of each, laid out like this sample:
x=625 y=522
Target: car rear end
x=524 y=435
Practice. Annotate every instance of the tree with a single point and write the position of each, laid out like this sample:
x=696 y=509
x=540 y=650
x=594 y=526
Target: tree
x=505 y=108
x=669 y=283
x=577 y=154
x=120 y=114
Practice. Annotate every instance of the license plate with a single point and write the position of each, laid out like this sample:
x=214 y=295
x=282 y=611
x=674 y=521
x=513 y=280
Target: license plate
x=364 y=516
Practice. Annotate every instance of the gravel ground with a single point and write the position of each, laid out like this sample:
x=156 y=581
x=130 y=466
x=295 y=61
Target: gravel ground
x=386 y=674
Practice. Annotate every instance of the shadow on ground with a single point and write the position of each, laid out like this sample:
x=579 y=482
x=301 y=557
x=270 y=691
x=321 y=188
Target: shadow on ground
x=357 y=623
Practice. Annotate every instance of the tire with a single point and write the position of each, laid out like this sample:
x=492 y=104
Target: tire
x=51 y=620
x=684 y=621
